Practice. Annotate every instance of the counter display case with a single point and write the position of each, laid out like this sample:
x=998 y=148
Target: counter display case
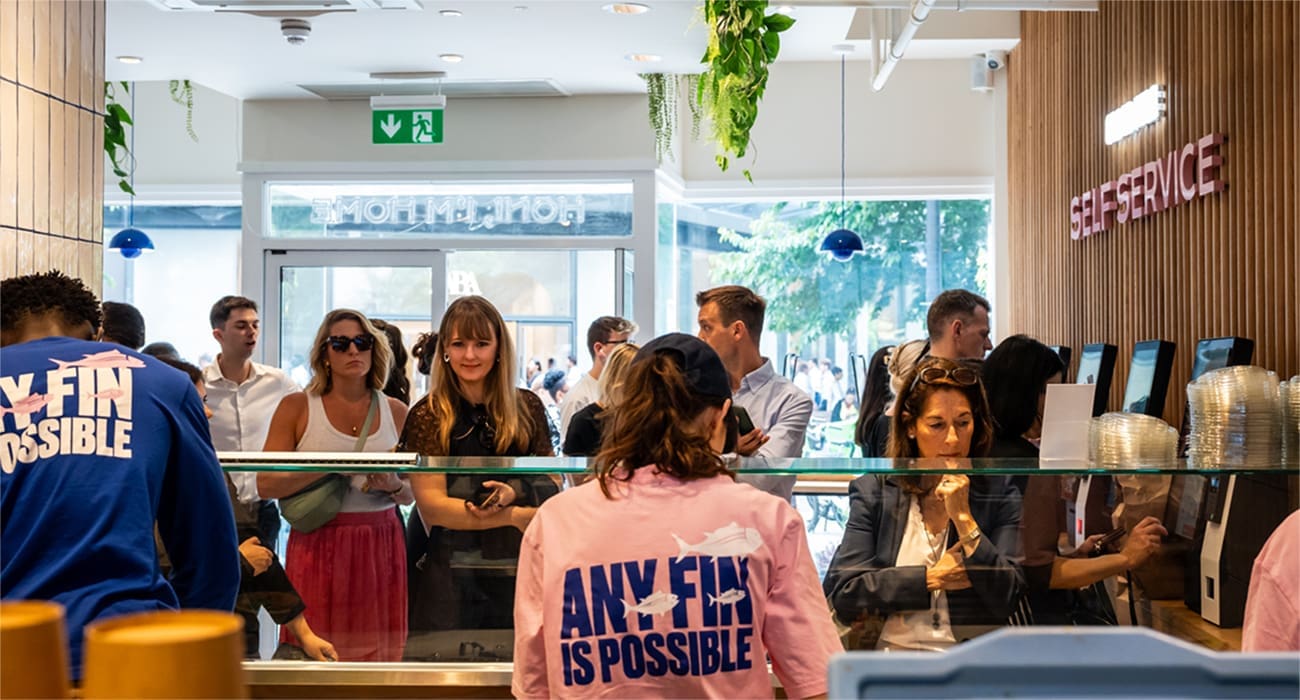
x=1045 y=520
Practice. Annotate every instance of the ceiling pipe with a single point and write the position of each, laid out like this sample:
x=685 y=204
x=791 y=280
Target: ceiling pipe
x=920 y=11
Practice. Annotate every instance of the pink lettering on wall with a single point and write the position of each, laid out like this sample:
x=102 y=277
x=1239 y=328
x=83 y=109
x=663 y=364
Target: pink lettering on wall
x=1178 y=177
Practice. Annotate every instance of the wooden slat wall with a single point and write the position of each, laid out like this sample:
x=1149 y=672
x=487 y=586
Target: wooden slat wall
x=51 y=137
x=1223 y=265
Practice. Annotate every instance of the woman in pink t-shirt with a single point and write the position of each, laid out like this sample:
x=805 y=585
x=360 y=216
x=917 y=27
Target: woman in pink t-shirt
x=664 y=576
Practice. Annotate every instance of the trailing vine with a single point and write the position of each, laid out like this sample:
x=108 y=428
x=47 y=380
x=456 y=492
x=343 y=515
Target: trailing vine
x=664 y=90
x=743 y=41
x=182 y=93
x=116 y=119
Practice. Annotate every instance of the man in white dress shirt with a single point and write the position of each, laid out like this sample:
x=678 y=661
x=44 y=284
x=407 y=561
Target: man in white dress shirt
x=603 y=335
x=731 y=322
x=243 y=395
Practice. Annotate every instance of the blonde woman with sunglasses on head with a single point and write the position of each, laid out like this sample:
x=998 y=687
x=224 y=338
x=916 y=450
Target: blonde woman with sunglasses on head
x=935 y=556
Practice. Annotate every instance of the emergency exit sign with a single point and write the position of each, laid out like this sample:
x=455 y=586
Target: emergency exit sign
x=405 y=126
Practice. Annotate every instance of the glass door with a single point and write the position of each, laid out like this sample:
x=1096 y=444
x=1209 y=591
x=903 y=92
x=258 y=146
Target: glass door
x=405 y=288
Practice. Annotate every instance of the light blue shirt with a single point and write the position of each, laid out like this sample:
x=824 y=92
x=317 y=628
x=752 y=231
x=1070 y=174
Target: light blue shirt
x=781 y=410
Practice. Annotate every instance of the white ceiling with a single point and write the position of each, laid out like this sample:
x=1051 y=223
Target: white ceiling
x=576 y=44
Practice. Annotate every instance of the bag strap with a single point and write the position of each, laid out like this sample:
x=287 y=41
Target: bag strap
x=375 y=399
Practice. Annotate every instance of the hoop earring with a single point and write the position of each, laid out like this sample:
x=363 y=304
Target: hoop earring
x=446 y=358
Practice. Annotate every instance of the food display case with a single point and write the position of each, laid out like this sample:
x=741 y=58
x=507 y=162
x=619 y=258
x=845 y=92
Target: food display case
x=475 y=661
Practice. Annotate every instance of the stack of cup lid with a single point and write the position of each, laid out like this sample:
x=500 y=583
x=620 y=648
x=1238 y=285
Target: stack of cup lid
x=1131 y=440
x=1236 y=419
x=1290 y=394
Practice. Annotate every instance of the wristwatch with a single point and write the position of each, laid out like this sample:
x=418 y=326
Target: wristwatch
x=972 y=537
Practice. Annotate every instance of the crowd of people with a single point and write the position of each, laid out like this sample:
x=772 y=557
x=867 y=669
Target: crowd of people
x=663 y=571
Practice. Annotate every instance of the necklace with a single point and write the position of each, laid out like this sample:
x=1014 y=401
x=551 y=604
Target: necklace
x=936 y=541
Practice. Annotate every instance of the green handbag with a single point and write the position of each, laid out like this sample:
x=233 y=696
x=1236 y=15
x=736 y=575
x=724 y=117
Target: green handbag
x=312 y=507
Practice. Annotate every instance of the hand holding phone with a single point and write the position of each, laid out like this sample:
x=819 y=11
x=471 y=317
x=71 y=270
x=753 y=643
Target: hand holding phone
x=744 y=423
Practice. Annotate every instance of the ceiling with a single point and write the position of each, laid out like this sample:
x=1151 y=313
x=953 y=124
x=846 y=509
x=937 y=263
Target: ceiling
x=575 y=45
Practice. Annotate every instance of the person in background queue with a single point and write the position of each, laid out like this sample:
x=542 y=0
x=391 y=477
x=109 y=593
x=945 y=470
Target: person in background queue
x=160 y=349
x=876 y=399
x=398 y=385
x=473 y=409
x=587 y=426
x=934 y=555
x=705 y=579
x=1016 y=375
x=603 y=335
x=77 y=528
x=351 y=571
x=958 y=323
x=243 y=395
x=731 y=322
x=902 y=360
x=123 y=324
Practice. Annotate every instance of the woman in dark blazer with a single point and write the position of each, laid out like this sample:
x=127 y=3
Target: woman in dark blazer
x=924 y=558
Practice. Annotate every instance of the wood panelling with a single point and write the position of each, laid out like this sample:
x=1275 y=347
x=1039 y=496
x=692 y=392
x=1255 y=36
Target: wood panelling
x=1226 y=264
x=51 y=137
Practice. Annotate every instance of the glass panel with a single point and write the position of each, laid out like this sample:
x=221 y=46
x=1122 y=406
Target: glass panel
x=519 y=283
x=422 y=209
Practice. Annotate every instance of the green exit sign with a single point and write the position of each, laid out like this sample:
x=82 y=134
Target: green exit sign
x=405 y=126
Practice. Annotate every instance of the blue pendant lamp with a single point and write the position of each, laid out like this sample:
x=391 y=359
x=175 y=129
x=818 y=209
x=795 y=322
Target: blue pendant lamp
x=842 y=244
x=131 y=242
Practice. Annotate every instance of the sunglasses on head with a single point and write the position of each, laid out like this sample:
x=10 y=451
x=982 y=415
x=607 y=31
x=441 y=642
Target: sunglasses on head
x=340 y=343
x=961 y=376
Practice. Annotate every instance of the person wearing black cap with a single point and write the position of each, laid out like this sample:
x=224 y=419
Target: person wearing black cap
x=663 y=576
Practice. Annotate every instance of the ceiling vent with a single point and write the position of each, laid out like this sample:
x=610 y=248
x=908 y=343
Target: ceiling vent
x=452 y=89
x=285 y=7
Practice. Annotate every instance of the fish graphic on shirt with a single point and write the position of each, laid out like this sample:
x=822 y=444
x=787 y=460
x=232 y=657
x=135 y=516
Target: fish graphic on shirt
x=656 y=603
x=111 y=394
x=109 y=359
x=27 y=405
x=728 y=597
x=731 y=540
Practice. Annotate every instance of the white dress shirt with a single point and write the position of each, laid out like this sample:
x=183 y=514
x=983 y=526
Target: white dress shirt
x=781 y=410
x=241 y=414
x=584 y=393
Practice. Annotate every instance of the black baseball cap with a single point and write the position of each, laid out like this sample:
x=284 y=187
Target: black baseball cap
x=703 y=368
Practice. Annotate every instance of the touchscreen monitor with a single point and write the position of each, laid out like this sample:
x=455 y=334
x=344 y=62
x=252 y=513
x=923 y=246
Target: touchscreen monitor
x=1097 y=366
x=1148 y=377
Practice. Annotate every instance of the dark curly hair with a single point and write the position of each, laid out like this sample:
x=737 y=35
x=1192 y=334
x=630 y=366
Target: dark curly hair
x=47 y=292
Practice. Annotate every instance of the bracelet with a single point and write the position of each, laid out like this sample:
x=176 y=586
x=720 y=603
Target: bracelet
x=395 y=491
x=972 y=536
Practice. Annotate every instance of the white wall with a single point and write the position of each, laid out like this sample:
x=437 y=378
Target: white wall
x=166 y=157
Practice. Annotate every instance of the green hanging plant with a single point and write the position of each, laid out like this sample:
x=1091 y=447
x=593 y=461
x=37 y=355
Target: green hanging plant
x=116 y=119
x=663 y=91
x=743 y=41
x=182 y=93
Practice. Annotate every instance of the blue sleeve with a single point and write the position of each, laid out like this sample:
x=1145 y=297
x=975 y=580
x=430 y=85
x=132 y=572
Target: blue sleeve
x=195 y=517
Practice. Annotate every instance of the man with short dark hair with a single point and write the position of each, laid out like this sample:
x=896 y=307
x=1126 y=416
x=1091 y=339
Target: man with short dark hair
x=603 y=335
x=731 y=321
x=958 y=322
x=122 y=324
x=97 y=444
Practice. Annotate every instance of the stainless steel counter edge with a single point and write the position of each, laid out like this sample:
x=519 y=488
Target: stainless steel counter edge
x=467 y=675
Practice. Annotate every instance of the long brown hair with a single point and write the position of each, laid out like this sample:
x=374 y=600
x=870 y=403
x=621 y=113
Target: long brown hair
x=475 y=318
x=916 y=392
x=655 y=423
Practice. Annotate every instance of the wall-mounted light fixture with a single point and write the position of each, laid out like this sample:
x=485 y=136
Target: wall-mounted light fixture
x=1146 y=108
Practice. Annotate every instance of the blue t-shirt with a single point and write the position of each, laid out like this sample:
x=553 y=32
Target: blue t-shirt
x=98 y=442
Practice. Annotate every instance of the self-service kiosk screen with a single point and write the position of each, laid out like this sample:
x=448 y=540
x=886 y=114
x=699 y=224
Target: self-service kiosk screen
x=1148 y=377
x=1097 y=366
x=1217 y=353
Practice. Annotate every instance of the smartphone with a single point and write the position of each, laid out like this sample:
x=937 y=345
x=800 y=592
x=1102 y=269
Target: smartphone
x=743 y=422
x=1109 y=538
x=486 y=500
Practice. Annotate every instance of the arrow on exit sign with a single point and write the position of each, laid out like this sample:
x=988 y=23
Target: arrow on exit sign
x=406 y=126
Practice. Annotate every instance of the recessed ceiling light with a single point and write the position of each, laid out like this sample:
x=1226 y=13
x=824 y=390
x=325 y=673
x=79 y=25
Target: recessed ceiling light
x=130 y=59
x=450 y=13
x=626 y=8
x=644 y=57
x=451 y=57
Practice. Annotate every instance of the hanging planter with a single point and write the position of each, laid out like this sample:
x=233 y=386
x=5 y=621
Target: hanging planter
x=743 y=41
x=116 y=119
x=663 y=90
x=182 y=93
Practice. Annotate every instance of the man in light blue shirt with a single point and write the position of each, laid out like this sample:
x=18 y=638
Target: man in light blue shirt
x=731 y=322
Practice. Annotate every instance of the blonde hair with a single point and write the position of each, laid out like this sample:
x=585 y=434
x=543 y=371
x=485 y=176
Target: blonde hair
x=615 y=373
x=381 y=356
x=902 y=361
x=475 y=318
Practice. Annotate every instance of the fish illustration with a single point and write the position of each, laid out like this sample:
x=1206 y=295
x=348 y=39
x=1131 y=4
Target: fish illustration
x=728 y=597
x=656 y=603
x=729 y=541
x=113 y=393
x=109 y=359
x=27 y=405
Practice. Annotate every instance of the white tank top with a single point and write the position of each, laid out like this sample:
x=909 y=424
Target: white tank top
x=320 y=436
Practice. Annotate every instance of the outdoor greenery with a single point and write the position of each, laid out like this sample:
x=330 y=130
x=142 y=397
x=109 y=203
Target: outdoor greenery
x=743 y=41
x=811 y=296
x=116 y=119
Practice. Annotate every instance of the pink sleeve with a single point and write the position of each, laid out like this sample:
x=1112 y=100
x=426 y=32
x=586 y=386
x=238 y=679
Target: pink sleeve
x=797 y=627
x=530 y=669
x=1271 y=618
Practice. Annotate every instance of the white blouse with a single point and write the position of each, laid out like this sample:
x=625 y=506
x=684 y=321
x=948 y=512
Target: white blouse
x=931 y=629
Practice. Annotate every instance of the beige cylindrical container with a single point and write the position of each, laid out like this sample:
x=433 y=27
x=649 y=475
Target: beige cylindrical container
x=33 y=650
x=165 y=654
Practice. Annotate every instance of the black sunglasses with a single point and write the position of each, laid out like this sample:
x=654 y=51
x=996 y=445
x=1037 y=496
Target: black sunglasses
x=340 y=343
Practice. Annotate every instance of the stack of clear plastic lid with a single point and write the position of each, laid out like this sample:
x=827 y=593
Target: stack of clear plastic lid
x=1236 y=418
x=1290 y=393
x=1131 y=440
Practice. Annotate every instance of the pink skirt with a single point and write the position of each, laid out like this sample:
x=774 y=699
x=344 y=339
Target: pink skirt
x=351 y=574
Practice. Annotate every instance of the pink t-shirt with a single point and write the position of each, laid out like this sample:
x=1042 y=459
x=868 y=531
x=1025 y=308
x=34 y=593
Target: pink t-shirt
x=1272 y=619
x=673 y=589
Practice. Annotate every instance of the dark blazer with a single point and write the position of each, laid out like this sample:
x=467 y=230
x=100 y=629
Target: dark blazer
x=862 y=576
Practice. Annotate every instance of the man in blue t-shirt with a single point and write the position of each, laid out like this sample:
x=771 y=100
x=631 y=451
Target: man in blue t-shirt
x=97 y=443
